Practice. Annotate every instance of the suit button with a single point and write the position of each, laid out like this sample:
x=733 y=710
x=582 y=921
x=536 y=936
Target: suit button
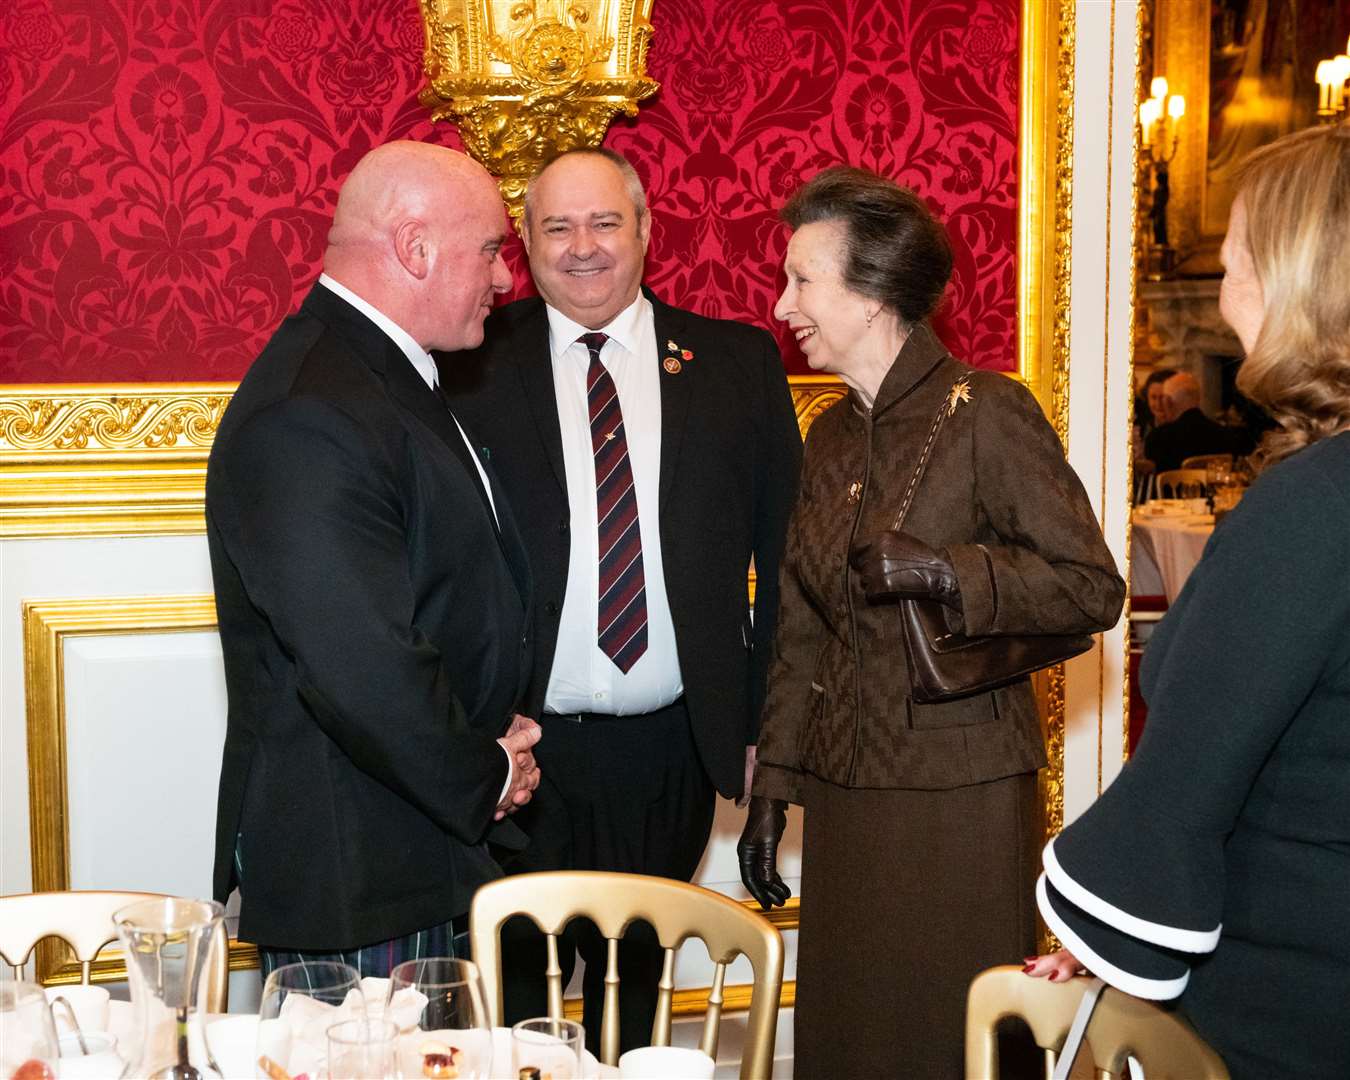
x=562 y=527
x=550 y=608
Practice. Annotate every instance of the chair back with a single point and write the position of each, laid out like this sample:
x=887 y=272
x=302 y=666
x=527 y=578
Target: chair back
x=1181 y=483
x=676 y=912
x=1121 y=1027
x=84 y=921
x=1204 y=461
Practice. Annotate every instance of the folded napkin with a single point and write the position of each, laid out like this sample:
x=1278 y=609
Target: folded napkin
x=298 y=1037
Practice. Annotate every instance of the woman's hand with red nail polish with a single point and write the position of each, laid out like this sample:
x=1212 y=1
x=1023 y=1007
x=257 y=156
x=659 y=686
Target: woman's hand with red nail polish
x=1056 y=966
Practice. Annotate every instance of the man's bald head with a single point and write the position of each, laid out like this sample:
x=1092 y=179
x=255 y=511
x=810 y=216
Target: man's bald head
x=1183 y=392
x=417 y=233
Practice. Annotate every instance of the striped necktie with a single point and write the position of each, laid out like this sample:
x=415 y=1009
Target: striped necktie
x=621 y=628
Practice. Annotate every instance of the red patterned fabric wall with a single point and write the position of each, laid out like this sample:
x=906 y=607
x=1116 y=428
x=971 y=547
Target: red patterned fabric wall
x=169 y=166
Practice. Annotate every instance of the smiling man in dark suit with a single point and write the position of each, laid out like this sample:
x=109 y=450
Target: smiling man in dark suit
x=372 y=591
x=652 y=454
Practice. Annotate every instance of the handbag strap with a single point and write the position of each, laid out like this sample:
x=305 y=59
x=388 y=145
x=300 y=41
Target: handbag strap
x=960 y=392
x=1074 y=1040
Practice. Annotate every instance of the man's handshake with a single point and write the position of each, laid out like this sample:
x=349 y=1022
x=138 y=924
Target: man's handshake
x=519 y=739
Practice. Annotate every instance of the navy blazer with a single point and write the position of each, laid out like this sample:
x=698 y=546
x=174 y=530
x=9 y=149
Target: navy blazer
x=376 y=630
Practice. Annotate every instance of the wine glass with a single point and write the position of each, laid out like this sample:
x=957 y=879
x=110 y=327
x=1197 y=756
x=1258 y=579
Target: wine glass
x=300 y=1002
x=440 y=1009
x=363 y=1049
x=552 y=1046
x=28 y=1047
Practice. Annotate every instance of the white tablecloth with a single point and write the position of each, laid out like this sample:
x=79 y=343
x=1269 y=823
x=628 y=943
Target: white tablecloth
x=1168 y=544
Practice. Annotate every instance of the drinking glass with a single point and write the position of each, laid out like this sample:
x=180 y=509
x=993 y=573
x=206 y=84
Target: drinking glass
x=28 y=1047
x=440 y=1009
x=300 y=1002
x=552 y=1046
x=363 y=1049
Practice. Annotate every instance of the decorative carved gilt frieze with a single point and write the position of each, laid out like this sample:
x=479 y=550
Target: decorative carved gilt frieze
x=73 y=418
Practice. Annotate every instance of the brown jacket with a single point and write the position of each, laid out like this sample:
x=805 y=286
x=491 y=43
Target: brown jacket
x=1012 y=515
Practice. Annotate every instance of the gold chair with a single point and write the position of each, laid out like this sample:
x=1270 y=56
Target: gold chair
x=1121 y=1027
x=1180 y=483
x=613 y=901
x=84 y=921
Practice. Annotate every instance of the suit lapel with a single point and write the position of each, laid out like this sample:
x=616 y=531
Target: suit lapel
x=534 y=361
x=677 y=390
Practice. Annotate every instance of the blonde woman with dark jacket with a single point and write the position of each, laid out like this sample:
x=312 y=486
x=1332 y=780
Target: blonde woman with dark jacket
x=1216 y=869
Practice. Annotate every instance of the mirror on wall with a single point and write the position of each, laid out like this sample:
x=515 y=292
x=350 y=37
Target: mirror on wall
x=1219 y=79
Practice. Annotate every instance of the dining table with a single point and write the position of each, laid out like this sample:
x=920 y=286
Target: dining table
x=1169 y=538
x=232 y=1038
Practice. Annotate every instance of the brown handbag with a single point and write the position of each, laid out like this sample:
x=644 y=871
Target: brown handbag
x=945 y=664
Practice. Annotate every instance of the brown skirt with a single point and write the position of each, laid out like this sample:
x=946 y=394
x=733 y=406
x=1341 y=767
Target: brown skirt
x=906 y=896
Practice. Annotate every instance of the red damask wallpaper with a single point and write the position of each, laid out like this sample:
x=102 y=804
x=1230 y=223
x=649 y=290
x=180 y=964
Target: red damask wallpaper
x=169 y=166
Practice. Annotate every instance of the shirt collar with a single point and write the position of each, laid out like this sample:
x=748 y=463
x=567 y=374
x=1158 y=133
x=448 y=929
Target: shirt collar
x=625 y=328
x=420 y=359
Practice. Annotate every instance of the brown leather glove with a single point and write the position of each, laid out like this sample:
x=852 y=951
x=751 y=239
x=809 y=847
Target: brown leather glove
x=896 y=565
x=757 y=850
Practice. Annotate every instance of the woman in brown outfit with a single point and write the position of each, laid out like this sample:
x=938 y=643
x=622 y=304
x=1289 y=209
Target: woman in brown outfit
x=920 y=820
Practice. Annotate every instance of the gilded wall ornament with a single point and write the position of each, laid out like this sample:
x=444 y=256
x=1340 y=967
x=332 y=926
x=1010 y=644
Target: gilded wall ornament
x=528 y=79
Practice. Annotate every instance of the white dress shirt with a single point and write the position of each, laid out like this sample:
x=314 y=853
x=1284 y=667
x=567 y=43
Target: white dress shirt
x=425 y=366
x=583 y=678
x=420 y=359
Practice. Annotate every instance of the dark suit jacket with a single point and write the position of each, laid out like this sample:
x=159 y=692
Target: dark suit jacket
x=1190 y=434
x=730 y=455
x=375 y=627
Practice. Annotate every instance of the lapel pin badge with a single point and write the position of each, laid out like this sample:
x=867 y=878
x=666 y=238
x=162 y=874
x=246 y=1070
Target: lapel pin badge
x=672 y=363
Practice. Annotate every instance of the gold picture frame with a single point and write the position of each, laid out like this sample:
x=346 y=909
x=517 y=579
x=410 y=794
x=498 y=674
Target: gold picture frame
x=47 y=626
x=1185 y=52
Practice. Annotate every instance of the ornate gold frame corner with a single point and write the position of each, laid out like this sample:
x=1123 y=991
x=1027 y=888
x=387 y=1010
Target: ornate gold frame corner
x=47 y=625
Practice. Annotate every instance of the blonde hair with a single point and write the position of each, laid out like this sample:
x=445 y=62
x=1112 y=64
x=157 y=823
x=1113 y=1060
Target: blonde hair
x=1296 y=193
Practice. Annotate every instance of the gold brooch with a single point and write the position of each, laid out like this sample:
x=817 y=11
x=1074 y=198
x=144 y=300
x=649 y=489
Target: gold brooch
x=854 y=492
x=960 y=392
x=671 y=365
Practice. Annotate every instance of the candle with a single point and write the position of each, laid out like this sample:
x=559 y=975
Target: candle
x=1323 y=77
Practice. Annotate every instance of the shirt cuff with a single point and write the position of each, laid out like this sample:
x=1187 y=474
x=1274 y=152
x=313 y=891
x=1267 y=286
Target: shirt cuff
x=510 y=768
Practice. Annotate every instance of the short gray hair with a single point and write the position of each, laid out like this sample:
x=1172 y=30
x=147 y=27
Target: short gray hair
x=631 y=179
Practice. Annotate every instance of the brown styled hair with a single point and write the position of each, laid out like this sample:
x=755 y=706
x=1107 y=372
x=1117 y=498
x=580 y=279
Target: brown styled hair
x=1296 y=193
x=895 y=250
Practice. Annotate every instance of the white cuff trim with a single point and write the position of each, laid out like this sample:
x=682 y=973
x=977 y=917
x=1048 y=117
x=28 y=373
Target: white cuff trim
x=1169 y=937
x=1140 y=987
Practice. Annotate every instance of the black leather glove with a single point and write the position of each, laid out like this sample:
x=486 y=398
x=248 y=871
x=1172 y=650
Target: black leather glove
x=757 y=848
x=895 y=565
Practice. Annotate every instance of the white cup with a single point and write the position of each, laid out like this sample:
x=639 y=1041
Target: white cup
x=101 y=1061
x=666 y=1063
x=90 y=1004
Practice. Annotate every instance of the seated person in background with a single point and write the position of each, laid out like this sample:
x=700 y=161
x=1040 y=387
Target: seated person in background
x=1154 y=412
x=1187 y=431
x=1150 y=411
